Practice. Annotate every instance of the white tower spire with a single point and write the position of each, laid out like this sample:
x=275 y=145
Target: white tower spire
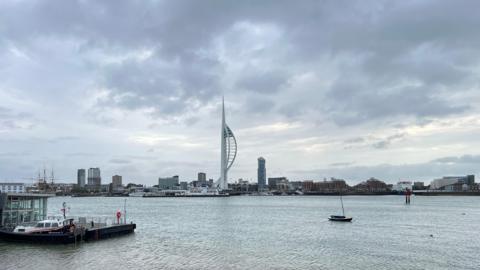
x=228 y=151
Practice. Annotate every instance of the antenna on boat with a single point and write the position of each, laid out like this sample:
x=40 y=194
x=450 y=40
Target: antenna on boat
x=64 y=210
x=44 y=174
x=125 y=211
x=52 y=179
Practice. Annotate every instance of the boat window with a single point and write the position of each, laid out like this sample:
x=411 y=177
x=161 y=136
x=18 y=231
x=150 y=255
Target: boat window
x=39 y=225
x=47 y=225
x=54 y=224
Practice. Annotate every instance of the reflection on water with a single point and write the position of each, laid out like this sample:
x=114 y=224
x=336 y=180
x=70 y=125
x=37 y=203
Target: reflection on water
x=268 y=233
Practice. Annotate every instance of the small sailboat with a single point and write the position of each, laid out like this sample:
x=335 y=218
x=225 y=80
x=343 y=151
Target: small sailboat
x=342 y=218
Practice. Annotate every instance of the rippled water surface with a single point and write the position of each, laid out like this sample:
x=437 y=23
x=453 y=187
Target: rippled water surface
x=269 y=233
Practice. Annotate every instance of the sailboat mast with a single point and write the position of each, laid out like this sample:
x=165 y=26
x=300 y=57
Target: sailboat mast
x=343 y=210
x=125 y=211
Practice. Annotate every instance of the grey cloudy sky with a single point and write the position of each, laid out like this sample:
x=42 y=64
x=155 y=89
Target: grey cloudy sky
x=347 y=89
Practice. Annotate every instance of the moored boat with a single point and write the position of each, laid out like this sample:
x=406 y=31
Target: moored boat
x=65 y=233
x=340 y=218
x=39 y=238
x=41 y=226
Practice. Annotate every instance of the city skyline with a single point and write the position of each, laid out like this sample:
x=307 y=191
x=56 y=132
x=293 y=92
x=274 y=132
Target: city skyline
x=316 y=93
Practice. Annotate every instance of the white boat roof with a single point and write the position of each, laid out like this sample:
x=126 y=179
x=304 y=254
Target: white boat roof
x=49 y=221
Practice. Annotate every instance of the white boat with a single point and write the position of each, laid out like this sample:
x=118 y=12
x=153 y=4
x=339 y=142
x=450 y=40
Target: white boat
x=41 y=226
x=137 y=194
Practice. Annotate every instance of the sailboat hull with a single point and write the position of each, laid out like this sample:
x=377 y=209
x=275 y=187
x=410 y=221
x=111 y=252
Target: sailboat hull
x=340 y=218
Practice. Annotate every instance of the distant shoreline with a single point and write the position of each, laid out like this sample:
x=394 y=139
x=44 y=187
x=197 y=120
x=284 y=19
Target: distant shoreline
x=428 y=193
x=453 y=193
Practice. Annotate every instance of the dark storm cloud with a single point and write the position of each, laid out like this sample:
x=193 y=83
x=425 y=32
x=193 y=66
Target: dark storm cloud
x=377 y=45
x=385 y=143
x=338 y=68
x=356 y=103
x=373 y=141
x=263 y=82
x=165 y=89
x=258 y=104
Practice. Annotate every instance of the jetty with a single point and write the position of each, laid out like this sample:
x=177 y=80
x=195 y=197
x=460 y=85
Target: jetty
x=70 y=232
x=23 y=219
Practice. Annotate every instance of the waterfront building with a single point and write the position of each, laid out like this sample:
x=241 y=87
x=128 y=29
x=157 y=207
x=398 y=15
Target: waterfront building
x=183 y=185
x=116 y=181
x=453 y=183
x=402 y=186
x=81 y=178
x=62 y=188
x=307 y=185
x=17 y=208
x=168 y=182
x=284 y=186
x=104 y=188
x=94 y=177
x=243 y=187
x=202 y=177
x=228 y=151
x=372 y=185
x=261 y=173
x=470 y=179
x=332 y=186
x=418 y=185
x=275 y=183
x=12 y=187
x=296 y=185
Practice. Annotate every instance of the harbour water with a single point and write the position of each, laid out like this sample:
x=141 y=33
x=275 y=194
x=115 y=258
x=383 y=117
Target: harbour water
x=281 y=232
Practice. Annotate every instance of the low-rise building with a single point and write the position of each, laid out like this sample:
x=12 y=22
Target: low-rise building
x=307 y=185
x=446 y=182
x=11 y=187
x=168 y=182
x=116 y=181
x=244 y=186
x=275 y=182
x=402 y=186
x=372 y=185
x=296 y=185
x=418 y=185
x=184 y=185
x=334 y=185
x=18 y=208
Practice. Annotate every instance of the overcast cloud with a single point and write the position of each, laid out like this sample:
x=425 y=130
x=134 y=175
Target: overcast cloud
x=321 y=89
